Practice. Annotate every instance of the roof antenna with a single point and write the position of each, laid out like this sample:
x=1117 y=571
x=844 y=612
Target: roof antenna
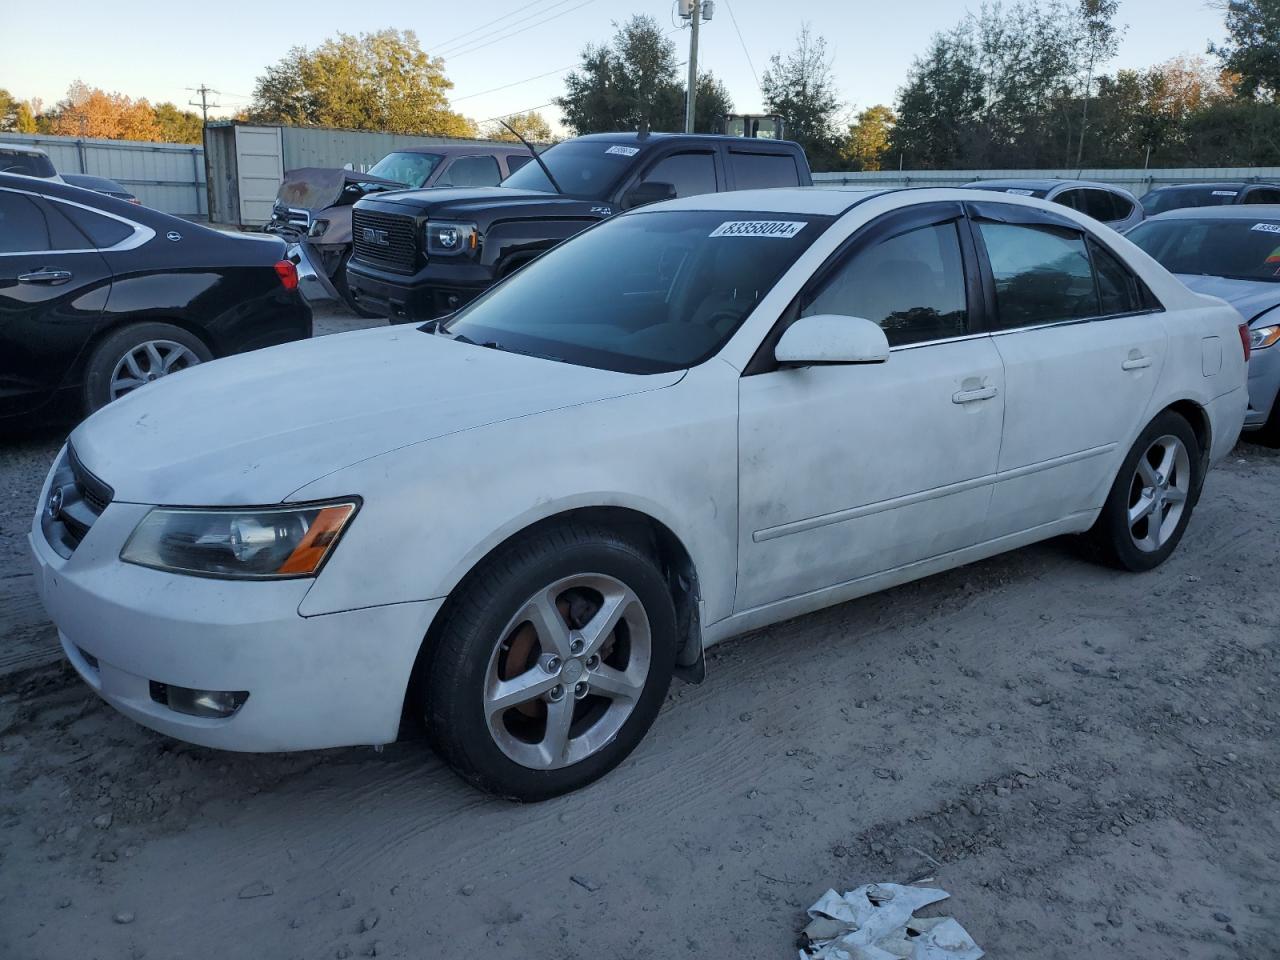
x=644 y=128
x=534 y=153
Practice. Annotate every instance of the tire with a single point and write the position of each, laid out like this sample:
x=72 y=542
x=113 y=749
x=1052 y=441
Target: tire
x=1268 y=435
x=340 y=284
x=157 y=349
x=1162 y=474
x=488 y=637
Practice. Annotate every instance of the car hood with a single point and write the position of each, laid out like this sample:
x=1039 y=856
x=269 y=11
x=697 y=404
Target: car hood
x=1249 y=297
x=315 y=188
x=253 y=429
x=464 y=202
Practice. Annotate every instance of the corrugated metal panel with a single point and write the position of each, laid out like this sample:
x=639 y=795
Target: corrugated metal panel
x=166 y=176
x=1136 y=181
x=325 y=147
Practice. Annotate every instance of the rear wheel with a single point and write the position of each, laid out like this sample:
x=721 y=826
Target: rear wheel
x=552 y=663
x=135 y=356
x=1269 y=434
x=1153 y=496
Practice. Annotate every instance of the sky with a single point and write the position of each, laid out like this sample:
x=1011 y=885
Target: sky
x=506 y=56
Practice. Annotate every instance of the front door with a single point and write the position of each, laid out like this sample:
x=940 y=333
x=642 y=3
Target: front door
x=850 y=470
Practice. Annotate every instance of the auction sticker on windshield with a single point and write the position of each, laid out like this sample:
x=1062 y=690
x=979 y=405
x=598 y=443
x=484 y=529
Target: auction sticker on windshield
x=623 y=151
x=1262 y=227
x=777 y=229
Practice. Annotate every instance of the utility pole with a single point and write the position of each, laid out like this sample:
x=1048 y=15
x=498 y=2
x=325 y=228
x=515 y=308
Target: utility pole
x=695 y=15
x=204 y=103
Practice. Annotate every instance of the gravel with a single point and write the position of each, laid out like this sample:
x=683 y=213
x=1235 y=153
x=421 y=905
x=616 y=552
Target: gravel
x=1131 y=812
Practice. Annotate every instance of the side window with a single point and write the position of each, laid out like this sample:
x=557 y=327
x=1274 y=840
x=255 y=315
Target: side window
x=1042 y=274
x=1121 y=208
x=912 y=285
x=692 y=173
x=471 y=172
x=1262 y=195
x=516 y=161
x=1071 y=198
x=23 y=224
x=102 y=231
x=1117 y=287
x=755 y=171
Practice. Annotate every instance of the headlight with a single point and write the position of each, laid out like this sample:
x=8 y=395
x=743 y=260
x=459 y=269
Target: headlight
x=1260 y=337
x=317 y=228
x=239 y=543
x=449 y=238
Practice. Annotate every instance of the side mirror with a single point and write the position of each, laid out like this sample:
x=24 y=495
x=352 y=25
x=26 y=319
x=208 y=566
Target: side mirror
x=651 y=191
x=826 y=338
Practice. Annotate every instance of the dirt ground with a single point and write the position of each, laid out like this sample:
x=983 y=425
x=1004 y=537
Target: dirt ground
x=1084 y=759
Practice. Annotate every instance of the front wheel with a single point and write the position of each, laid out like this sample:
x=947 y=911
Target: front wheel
x=1153 y=496
x=551 y=663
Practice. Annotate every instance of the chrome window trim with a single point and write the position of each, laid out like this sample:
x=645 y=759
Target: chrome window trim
x=1027 y=329
x=141 y=233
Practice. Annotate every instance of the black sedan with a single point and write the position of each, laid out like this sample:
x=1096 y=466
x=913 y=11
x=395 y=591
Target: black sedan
x=99 y=185
x=99 y=297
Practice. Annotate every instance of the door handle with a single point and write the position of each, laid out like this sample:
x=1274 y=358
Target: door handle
x=52 y=277
x=971 y=396
x=1136 y=363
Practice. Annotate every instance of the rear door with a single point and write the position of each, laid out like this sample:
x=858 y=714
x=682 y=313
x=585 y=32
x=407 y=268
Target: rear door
x=761 y=170
x=53 y=286
x=1082 y=351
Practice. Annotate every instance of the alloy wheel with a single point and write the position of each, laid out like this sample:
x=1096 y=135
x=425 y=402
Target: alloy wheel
x=1158 y=493
x=567 y=671
x=149 y=361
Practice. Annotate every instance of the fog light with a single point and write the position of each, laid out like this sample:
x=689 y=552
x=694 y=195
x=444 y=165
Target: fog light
x=211 y=704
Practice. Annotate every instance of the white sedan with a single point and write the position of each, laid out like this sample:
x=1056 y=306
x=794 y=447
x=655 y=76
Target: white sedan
x=690 y=421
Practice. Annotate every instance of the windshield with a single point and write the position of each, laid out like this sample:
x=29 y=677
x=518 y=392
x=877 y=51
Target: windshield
x=644 y=293
x=584 y=168
x=1237 y=249
x=411 y=169
x=1176 y=198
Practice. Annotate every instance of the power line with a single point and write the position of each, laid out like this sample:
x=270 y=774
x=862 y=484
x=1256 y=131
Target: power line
x=488 y=34
x=514 y=83
x=745 y=51
x=450 y=42
x=516 y=113
x=480 y=46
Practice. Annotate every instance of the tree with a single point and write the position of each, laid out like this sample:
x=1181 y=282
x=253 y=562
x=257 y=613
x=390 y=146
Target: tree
x=372 y=81
x=634 y=83
x=90 y=112
x=1100 y=39
x=8 y=110
x=801 y=88
x=1252 y=50
x=24 y=120
x=178 y=126
x=868 y=141
x=532 y=126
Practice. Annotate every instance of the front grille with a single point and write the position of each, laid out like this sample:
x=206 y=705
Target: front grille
x=384 y=240
x=76 y=500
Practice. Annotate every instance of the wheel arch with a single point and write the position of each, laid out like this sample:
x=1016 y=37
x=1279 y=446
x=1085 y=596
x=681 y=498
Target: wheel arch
x=77 y=373
x=1201 y=426
x=674 y=558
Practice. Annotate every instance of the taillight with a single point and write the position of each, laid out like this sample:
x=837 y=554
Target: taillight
x=1243 y=328
x=288 y=274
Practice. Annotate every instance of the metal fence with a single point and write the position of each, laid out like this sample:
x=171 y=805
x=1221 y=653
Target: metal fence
x=1135 y=181
x=165 y=176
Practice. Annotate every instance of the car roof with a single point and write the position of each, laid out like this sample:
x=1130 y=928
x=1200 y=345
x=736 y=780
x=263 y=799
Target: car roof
x=1046 y=183
x=1238 y=211
x=798 y=200
x=1208 y=185
x=87 y=179
x=21 y=147
x=643 y=139
x=470 y=149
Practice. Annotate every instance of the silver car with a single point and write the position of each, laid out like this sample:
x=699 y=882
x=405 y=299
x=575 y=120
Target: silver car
x=1105 y=202
x=1233 y=253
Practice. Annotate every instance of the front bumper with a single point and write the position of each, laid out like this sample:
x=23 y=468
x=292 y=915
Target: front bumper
x=321 y=681
x=1264 y=384
x=313 y=283
x=431 y=293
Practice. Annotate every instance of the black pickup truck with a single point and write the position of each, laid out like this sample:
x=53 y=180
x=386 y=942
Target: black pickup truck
x=421 y=254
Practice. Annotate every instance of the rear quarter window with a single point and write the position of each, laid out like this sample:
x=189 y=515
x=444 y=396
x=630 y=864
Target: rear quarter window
x=102 y=231
x=756 y=171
